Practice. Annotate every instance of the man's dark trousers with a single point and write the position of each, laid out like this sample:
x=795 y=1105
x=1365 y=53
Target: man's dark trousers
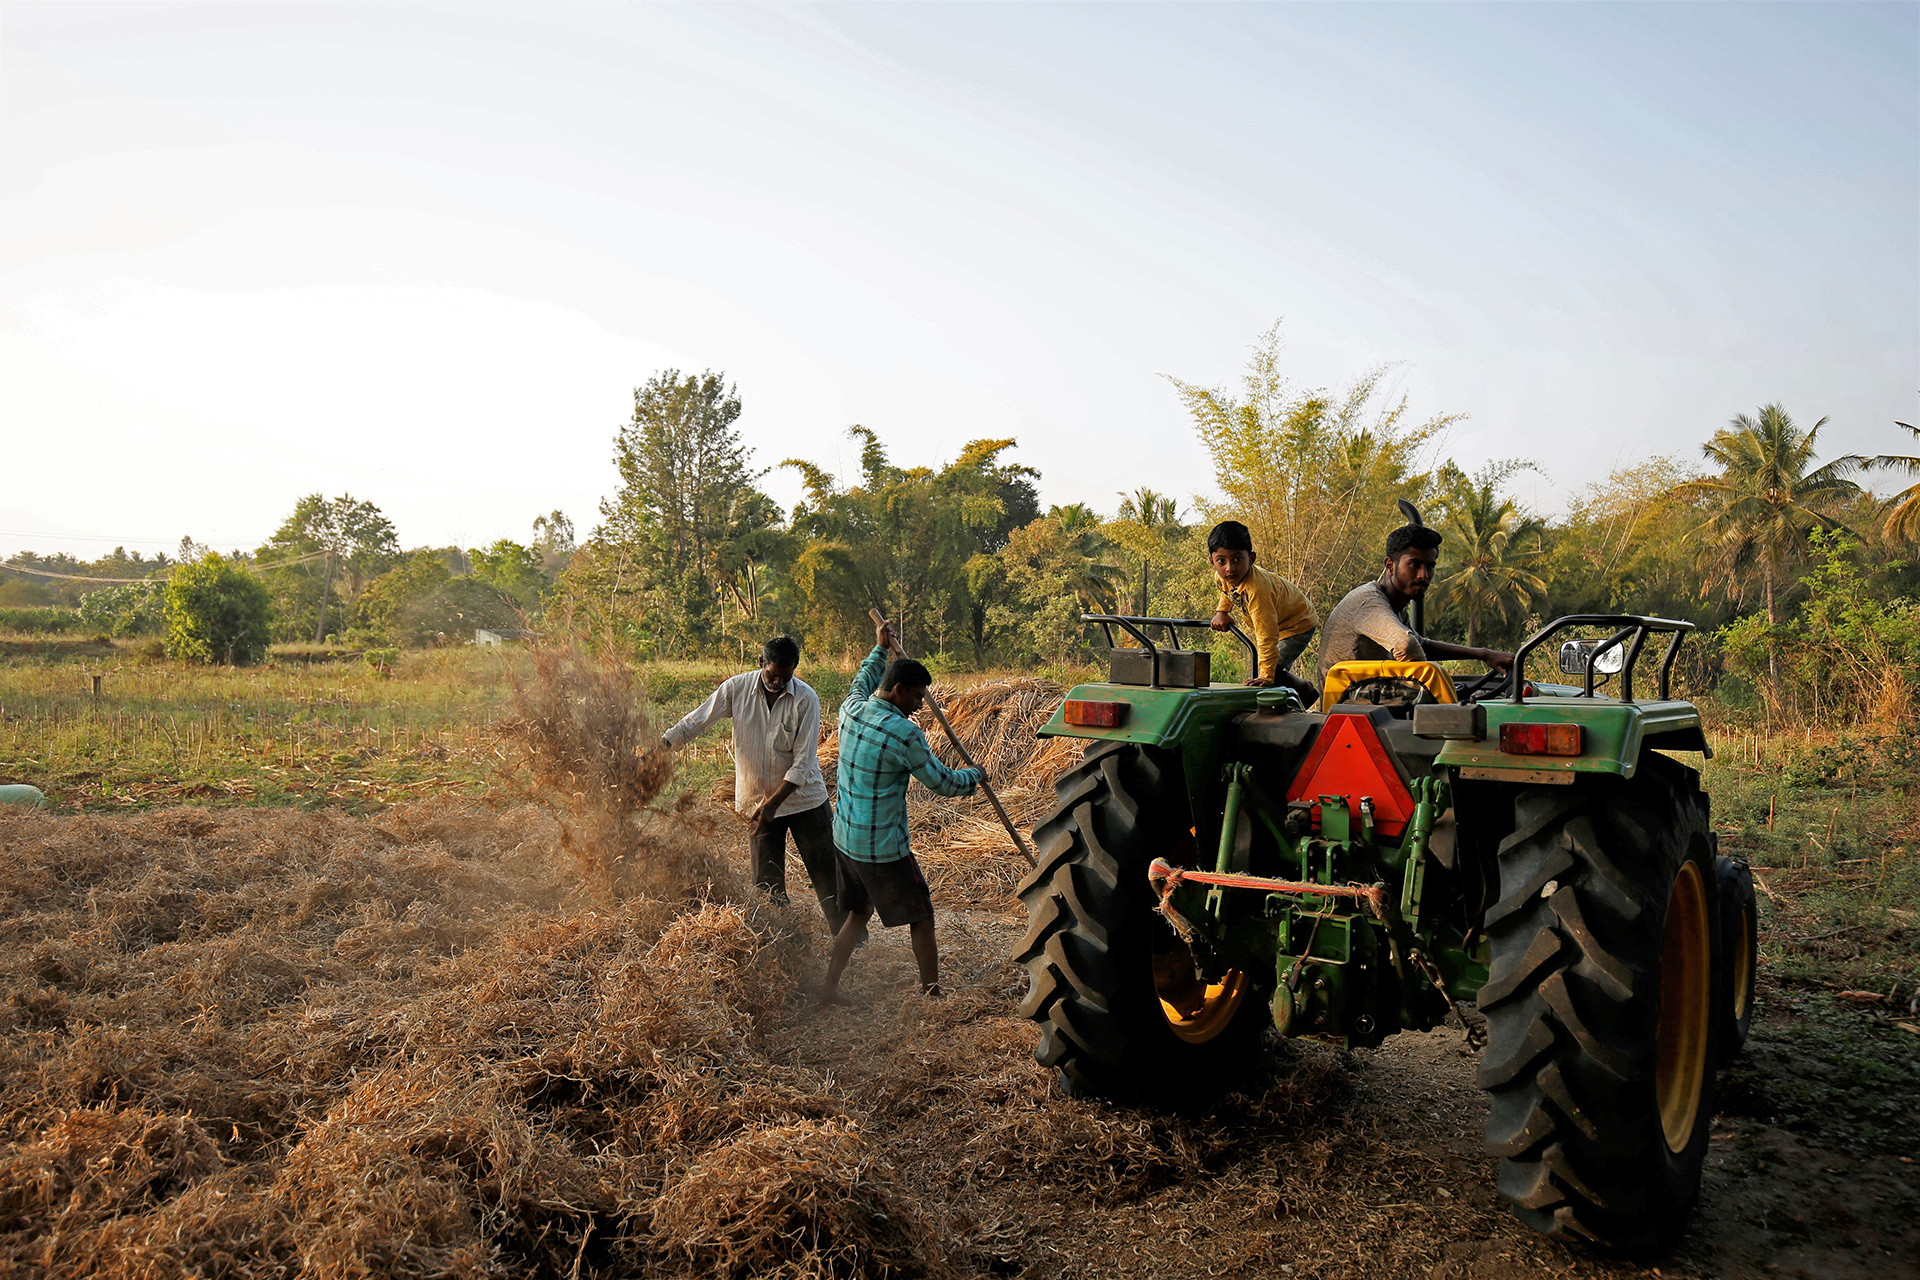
x=813 y=838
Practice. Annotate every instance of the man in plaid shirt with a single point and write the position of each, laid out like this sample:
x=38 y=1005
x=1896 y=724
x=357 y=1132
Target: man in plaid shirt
x=880 y=749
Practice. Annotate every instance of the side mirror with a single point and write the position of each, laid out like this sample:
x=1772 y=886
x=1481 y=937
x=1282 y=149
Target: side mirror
x=1577 y=655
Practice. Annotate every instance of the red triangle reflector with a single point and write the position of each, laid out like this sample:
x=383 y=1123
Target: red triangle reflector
x=1348 y=759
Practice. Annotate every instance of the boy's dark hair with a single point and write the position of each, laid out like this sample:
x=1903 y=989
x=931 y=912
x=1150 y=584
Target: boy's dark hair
x=781 y=651
x=905 y=671
x=1229 y=535
x=1409 y=535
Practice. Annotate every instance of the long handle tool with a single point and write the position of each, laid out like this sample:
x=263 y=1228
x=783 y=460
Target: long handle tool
x=933 y=704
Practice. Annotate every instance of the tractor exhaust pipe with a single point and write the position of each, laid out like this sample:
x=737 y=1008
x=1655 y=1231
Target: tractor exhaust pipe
x=1417 y=608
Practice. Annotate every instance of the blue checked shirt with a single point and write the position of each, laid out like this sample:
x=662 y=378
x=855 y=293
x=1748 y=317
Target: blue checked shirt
x=880 y=748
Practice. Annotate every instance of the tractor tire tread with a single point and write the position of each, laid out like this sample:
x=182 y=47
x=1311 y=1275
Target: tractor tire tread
x=1570 y=998
x=1088 y=942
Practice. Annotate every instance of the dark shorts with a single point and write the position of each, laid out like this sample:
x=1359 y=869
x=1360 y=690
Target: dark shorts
x=896 y=890
x=1290 y=649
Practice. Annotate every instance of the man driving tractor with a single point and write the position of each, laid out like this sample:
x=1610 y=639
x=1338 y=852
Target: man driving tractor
x=1370 y=625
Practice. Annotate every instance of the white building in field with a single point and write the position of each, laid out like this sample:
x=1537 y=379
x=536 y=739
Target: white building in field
x=503 y=635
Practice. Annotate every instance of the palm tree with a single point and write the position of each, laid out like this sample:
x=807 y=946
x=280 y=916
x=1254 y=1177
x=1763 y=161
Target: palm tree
x=1903 y=511
x=1088 y=576
x=1076 y=517
x=1159 y=519
x=1149 y=508
x=1765 y=500
x=1488 y=539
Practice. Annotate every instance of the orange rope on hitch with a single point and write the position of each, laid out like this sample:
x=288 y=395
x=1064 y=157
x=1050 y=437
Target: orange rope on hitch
x=1374 y=895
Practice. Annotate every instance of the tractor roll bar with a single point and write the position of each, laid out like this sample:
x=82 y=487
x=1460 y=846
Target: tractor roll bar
x=1131 y=624
x=1630 y=629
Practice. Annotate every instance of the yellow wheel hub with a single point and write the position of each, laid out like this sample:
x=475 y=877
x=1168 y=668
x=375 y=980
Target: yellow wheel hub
x=1743 y=963
x=1686 y=963
x=1196 y=1010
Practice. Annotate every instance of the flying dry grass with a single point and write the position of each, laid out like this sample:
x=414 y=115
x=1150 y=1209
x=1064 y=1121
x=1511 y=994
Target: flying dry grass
x=583 y=743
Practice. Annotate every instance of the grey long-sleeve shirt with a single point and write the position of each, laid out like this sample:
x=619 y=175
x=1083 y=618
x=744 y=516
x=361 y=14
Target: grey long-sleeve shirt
x=1365 y=627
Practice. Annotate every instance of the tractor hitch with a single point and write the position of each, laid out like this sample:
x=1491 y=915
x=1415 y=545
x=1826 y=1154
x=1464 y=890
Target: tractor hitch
x=1166 y=878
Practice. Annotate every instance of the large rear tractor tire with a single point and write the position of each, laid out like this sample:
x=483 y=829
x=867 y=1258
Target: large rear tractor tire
x=1122 y=1013
x=1739 y=965
x=1602 y=1021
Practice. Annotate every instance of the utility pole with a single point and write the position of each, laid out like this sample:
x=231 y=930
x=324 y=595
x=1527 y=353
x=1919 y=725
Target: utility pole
x=326 y=589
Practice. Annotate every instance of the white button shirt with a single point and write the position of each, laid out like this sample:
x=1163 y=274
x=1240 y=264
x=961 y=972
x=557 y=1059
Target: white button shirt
x=771 y=745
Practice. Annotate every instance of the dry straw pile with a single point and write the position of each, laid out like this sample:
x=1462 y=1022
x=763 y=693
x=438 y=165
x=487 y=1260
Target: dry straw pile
x=265 y=1044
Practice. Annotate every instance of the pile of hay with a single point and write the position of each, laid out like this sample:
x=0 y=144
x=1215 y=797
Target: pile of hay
x=259 y=1043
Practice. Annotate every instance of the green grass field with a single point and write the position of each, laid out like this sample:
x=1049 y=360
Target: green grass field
x=298 y=730
x=310 y=726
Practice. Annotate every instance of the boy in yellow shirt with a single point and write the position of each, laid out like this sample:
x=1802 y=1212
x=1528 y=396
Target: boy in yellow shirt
x=1280 y=617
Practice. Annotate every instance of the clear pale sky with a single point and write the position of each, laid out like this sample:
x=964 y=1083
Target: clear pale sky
x=424 y=253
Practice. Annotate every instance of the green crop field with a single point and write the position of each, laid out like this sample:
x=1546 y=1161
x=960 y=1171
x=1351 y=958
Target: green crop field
x=311 y=726
x=294 y=730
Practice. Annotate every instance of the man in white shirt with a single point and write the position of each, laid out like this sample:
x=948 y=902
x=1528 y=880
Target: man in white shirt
x=777 y=783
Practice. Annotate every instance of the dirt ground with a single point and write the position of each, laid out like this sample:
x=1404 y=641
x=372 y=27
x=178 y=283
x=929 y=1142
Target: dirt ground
x=1350 y=1164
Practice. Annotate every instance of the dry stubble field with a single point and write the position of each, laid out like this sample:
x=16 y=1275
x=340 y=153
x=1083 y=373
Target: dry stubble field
x=460 y=1036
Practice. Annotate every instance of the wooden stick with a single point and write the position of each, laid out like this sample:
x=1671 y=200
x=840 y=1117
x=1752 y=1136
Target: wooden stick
x=933 y=704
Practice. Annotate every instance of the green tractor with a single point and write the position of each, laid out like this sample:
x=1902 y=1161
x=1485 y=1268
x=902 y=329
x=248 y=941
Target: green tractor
x=1225 y=860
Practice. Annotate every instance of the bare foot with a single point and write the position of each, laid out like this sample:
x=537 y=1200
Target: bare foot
x=833 y=1000
x=932 y=991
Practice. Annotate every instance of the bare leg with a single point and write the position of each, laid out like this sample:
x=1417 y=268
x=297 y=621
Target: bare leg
x=852 y=930
x=926 y=954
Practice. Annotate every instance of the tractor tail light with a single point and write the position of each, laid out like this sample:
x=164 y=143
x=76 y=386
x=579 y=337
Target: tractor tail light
x=1540 y=739
x=1095 y=715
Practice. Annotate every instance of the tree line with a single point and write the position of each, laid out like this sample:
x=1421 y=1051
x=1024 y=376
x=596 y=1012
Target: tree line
x=1752 y=539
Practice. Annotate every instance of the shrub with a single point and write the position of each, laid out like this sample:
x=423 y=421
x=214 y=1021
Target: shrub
x=17 y=593
x=132 y=609
x=1850 y=655
x=216 y=611
x=38 y=622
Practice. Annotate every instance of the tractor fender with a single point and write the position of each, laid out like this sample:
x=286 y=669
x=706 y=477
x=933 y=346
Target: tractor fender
x=1613 y=736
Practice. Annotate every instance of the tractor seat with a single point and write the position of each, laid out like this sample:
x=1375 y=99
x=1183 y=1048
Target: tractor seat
x=1387 y=684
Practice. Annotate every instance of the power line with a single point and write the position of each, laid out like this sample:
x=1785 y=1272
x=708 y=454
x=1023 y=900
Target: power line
x=87 y=577
x=73 y=577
